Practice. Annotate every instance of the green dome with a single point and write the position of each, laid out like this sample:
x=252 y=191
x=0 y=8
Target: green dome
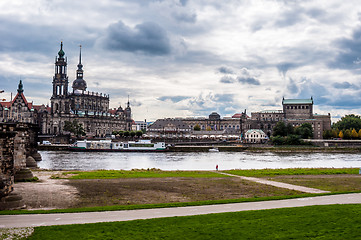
x=61 y=53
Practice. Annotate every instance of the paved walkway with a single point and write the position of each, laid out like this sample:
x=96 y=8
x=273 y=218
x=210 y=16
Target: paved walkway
x=278 y=184
x=33 y=220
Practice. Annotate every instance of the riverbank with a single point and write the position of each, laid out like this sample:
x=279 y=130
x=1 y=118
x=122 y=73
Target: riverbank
x=236 y=148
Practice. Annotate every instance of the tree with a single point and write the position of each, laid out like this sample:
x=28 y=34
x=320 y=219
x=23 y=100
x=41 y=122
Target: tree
x=348 y=122
x=359 y=133
x=305 y=131
x=347 y=134
x=278 y=140
x=340 y=135
x=327 y=134
x=354 y=134
x=197 y=128
x=126 y=133
x=293 y=139
x=209 y=128
x=74 y=127
x=139 y=133
x=289 y=129
x=280 y=129
x=132 y=133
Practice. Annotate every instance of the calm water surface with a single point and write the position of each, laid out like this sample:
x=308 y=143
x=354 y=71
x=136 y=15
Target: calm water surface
x=193 y=161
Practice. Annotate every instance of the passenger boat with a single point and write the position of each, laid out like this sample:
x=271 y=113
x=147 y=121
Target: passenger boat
x=109 y=146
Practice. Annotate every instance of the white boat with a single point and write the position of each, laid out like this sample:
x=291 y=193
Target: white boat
x=109 y=146
x=213 y=150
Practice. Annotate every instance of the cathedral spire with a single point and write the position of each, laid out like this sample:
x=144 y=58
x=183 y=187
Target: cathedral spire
x=80 y=66
x=61 y=53
x=79 y=83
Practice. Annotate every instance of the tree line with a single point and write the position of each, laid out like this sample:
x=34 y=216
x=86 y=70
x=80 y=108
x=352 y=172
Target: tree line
x=348 y=127
x=286 y=134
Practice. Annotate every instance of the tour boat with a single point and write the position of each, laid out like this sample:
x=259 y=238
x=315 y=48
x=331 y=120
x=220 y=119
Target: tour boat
x=109 y=146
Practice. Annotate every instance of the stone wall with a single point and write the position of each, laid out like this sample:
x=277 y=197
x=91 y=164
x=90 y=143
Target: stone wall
x=7 y=170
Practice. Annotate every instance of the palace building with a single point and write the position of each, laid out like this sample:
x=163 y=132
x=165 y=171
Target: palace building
x=295 y=112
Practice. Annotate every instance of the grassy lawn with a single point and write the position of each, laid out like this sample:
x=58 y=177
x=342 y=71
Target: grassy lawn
x=315 y=222
x=136 y=173
x=292 y=171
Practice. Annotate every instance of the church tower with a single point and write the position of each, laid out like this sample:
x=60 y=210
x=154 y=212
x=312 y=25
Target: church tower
x=59 y=99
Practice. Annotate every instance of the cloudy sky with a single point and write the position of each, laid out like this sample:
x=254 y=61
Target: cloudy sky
x=178 y=58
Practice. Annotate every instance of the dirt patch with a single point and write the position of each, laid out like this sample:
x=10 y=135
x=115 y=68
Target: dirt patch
x=96 y=192
x=47 y=193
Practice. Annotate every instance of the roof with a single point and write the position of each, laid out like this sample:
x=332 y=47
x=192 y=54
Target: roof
x=297 y=101
x=255 y=130
x=272 y=111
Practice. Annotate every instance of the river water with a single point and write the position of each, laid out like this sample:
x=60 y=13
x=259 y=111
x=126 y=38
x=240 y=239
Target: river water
x=56 y=160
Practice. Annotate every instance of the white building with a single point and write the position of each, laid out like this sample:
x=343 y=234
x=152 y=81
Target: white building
x=255 y=136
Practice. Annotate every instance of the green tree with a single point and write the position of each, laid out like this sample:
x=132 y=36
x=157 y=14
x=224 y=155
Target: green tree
x=327 y=134
x=139 y=133
x=126 y=133
x=278 y=140
x=280 y=129
x=347 y=134
x=348 y=122
x=305 y=131
x=197 y=128
x=132 y=133
x=74 y=127
x=293 y=139
x=289 y=129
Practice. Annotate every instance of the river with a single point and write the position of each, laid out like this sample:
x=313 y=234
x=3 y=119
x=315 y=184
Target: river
x=56 y=160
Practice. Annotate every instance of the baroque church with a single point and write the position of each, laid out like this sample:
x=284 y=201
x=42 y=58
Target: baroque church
x=90 y=109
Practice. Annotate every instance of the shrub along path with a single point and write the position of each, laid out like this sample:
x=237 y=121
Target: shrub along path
x=278 y=184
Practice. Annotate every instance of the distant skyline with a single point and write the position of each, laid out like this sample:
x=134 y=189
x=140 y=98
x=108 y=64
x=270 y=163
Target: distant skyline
x=182 y=58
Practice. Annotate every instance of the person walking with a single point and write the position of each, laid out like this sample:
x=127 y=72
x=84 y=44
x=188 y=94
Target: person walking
x=217 y=167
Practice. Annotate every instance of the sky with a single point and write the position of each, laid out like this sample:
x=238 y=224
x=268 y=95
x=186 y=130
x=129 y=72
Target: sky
x=185 y=58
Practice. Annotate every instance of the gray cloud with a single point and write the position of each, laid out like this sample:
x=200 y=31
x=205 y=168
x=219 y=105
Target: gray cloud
x=148 y=38
x=284 y=67
x=345 y=85
x=227 y=79
x=292 y=86
x=173 y=99
x=225 y=70
x=349 y=56
x=248 y=80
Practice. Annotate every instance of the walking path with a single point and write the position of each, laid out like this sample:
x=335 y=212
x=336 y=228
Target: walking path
x=33 y=220
x=278 y=184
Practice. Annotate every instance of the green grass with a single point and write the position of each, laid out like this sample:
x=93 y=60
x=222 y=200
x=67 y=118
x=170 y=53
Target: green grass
x=139 y=173
x=315 y=222
x=293 y=171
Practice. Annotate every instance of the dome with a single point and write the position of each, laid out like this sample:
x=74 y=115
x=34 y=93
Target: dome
x=79 y=84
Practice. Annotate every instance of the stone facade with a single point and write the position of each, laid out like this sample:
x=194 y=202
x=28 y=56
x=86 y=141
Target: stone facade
x=295 y=112
x=90 y=109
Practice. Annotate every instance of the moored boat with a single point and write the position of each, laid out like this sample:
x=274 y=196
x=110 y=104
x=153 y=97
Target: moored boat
x=109 y=146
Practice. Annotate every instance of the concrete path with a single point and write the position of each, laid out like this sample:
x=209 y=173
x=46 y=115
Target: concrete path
x=278 y=184
x=32 y=220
